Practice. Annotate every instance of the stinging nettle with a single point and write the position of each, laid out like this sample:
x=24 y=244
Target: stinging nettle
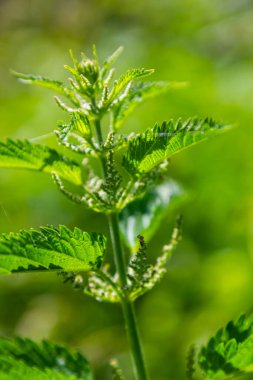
x=132 y=189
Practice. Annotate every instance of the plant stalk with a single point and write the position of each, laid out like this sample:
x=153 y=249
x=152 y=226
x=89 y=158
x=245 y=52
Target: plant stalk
x=127 y=307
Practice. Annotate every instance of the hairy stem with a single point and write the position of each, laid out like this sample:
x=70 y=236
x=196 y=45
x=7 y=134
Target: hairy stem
x=117 y=249
x=127 y=307
x=100 y=141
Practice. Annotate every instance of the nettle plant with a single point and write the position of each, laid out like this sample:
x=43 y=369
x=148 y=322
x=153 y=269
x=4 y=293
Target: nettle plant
x=134 y=192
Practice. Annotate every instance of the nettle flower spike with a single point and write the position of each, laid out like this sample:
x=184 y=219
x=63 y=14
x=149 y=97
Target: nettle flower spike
x=144 y=276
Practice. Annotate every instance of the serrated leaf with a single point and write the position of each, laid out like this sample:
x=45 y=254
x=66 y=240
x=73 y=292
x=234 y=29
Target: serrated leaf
x=50 y=248
x=144 y=215
x=27 y=360
x=79 y=124
x=24 y=155
x=136 y=95
x=124 y=81
x=230 y=351
x=41 y=81
x=157 y=144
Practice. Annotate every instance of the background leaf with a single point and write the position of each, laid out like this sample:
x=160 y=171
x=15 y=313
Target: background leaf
x=230 y=351
x=24 y=155
x=27 y=360
x=50 y=248
x=144 y=215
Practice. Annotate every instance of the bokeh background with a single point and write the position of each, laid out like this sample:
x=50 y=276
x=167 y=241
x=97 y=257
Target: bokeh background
x=210 y=278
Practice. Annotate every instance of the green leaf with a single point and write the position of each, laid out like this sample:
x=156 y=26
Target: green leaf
x=157 y=144
x=38 y=80
x=136 y=95
x=77 y=135
x=144 y=215
x=230 y=351
x=27 y=360
x=122 y=83
x=111 y=59
x=24 y=155
x=50 y=248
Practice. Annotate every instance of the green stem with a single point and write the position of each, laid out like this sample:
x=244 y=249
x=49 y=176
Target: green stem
x=127 y=307
x=100 y=141
x=117 y=248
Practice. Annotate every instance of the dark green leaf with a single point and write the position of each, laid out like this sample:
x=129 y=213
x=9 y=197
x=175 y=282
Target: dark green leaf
x=24 y=155
x=50 y=248
x=230 y=351
x=27 y=360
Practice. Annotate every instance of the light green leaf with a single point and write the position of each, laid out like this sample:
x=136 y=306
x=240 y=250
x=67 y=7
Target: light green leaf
x=79 y=125
x=157 y=144
x=136 y=95
x=230 y=351
x=144 y=215
x=24 y=155
x=124 y=81
x=38 y=80
x=27 y=360
x=50 y=248
x=111 y=59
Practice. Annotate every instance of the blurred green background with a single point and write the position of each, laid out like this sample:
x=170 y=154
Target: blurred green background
x=210 y=278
